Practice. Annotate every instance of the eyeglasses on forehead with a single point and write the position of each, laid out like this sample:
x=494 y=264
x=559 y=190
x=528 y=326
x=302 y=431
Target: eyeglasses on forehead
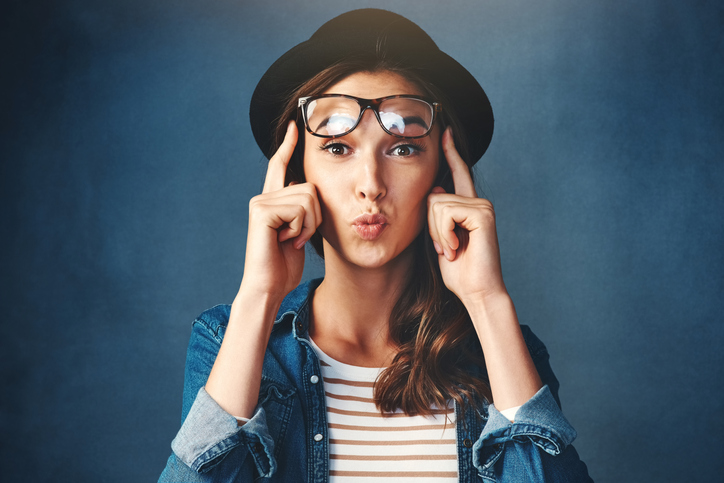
x=335 y=115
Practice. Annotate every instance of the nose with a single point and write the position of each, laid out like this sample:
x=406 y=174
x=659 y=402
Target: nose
x=370 y=177
x=370 y=180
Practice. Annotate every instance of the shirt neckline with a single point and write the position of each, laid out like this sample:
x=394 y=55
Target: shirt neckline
x=356 y=372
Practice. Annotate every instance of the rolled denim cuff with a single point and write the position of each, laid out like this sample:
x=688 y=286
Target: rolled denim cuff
x=539 y=421
x=209 y=433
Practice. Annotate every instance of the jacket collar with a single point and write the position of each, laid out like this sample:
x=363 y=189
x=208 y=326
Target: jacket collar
x=295 y=308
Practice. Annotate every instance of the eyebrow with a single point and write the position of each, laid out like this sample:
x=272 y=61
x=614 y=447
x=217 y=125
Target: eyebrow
x=408 y=121
x=324 y=121
x=414 y=120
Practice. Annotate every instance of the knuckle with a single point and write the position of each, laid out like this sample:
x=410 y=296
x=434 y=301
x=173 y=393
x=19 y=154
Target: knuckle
x=445 y=209
x=487 y=208
x=299 y=211
x=485 y=203
x=255 y=203
x=308 y=198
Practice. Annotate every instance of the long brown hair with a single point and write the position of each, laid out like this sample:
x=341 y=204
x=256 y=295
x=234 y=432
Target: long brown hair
x=430 y=325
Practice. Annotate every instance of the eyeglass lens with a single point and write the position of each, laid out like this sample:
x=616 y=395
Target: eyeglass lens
x=402 y=116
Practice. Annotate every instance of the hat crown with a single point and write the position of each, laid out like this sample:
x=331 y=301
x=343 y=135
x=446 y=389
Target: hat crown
x=357 y=29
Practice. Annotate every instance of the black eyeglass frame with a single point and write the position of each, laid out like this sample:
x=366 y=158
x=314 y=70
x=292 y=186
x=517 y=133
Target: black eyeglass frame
x=365 y=104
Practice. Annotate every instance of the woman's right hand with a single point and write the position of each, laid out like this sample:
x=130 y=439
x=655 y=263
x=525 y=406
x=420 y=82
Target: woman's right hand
x=281 y=221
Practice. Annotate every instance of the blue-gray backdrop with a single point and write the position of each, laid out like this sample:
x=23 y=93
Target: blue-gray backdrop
x=128 y=162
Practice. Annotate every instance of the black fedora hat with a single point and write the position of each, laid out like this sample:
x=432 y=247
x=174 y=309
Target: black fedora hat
x=383 y=35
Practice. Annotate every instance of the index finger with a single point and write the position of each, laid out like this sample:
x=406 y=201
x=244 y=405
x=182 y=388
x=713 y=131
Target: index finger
x=462 y=181
x=277 y=169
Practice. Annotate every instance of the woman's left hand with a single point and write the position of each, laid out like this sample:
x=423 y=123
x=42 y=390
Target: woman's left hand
x=462 y=227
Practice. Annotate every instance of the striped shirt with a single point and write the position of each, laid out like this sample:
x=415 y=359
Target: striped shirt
x=365 y=446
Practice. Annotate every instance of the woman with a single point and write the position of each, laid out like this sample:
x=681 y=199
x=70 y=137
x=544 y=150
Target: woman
x=388 y=367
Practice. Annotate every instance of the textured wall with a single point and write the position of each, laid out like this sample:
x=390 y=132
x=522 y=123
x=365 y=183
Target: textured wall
x=127 y=163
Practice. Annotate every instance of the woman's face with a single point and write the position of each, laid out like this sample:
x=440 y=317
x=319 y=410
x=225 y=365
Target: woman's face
x=372 y=186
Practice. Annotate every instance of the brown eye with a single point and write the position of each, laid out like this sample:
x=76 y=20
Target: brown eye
x=336 y=149
x=405 y=150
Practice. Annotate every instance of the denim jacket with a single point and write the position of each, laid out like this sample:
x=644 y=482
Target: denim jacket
x=286 y=439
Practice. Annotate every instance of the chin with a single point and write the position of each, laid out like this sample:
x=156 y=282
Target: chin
x=378 y=255
x=373 y=258
x=366 y=255
x=372 y=254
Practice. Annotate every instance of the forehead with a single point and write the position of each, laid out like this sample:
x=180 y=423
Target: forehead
x=372 y=85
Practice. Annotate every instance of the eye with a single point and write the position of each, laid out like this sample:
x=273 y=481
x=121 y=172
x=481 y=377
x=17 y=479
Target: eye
x=405 y=150
x=336 y=149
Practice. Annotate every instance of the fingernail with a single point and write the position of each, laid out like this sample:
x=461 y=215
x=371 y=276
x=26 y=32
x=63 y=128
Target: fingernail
x=438 y=249
x=299 y=244
x=447 y=254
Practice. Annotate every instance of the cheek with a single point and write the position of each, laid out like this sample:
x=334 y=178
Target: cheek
x=328 y=188
x=417 y=194
x=427 y=181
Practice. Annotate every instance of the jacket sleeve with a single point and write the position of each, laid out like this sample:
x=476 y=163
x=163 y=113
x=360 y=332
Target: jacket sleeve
x=537 y=445
x=211 y=446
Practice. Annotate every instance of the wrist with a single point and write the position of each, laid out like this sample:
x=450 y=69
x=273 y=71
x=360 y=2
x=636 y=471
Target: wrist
x=249 y=305
x=491 y=309
x=249 y=292
x=486 y=302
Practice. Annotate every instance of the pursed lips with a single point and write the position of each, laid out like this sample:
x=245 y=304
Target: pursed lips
x=370 y=226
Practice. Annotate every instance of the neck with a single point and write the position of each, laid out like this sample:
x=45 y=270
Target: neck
x=351 y=309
